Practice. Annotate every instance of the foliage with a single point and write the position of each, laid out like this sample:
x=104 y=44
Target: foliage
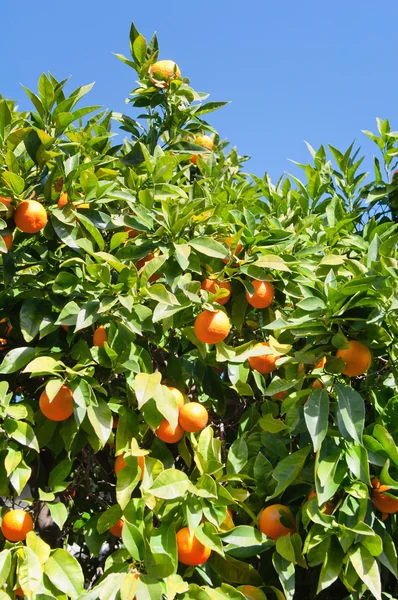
x=334 y=270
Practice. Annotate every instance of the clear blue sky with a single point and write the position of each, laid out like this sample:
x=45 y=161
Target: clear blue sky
x=293 y=71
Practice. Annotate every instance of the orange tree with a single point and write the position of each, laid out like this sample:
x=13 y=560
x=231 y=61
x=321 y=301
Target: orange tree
x=198 y=367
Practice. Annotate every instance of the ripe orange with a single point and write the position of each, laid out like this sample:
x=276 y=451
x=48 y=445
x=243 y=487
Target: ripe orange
x=165 y=432
x=191 y=551
x=279 y=396
x=19 y=592
x=30 y=216
x=70 y=492
x=3 y=344
x=120 y=463
x=65 y=327
x=251 y=592
x=8 y=239
x=263 y=294
x=237 y=250
x=212 y=327
x=162 y=72
x=263 y=364
x=6 y=200
x=62 y=200
x=116 y=529
x=100 y=337
x=212 y=285
x=326 y=508
x=202 y=140
x=270 y=521
x=384 y=503
x=179 y=396
x=132 y=232
x=321 y=363
x=141 y=264
x=317 y=384
x=357 y=358
x=193 y=417
x=61 y=406
x=16 y=524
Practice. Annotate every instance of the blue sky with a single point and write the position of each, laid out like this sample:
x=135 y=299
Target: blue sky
x=293 y=71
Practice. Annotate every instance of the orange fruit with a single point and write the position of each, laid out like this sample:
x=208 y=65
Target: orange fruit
x=30 y=216
x=251 y=592
x=141 y=264
x=99 y=337
x=162 y=72
x=3 y=344
x=237 y=250
x=212 y=285
x=8 y=239
x=117 y=528
x=165 y=432
x=384 y=503
x=321 y=363
x=263 y=364
x=193 y=417
x=279 y=396
x=263 y=294
x=212 y=327
x=120 y=463
x=357 y=358
x=132 y=232
x=61 y=406
x=179 y=396
x=70 y=492
x=6 y=200
x=80 y=205
x=202 y=140
x=19 y=592
x=317 y=384
x=16 y=524
x=62 y=200
x=326 y=508
x=191 y=551
x=270 y=521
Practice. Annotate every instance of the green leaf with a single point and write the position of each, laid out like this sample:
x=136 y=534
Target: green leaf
x=109 y=518
x=286 y=572
x=5 y=565
x=14 y=182
x=145 y=386
x=316 y=414
x=16 y=359
x=21 y=432
x=134 y=541
x=331 y=567
x=387 y=442
x=311 y=304
x=65 y=573
x=100 y=417
x=237 y=456
x=43 y=365
x=234 y=571
x=350 y=412
x=246 y=536
x=170 y=484
x=209 y=247
x=288 y=469
x=58 y=512
x=20 y=476
x=367 y=569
